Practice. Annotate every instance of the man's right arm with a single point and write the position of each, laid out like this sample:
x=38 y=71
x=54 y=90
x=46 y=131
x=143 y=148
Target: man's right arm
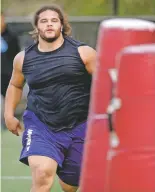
x=14 y=93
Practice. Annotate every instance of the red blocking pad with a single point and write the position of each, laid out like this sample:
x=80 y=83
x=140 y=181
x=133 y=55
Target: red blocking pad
x=95 y=151
x=132 y=164
x=114 y=35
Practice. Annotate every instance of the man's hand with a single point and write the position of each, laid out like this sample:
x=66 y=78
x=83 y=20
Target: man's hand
x=13 y=125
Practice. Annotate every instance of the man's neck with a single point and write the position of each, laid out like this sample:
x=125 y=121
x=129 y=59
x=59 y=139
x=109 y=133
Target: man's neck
x=44 y=46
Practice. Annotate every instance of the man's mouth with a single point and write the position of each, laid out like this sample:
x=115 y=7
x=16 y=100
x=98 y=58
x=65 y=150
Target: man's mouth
x=49 y=30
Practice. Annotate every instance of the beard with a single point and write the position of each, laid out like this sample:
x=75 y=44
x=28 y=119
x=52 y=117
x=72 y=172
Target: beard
x=49 y=39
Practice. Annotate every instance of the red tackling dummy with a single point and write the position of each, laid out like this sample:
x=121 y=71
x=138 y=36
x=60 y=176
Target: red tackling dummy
x=131 y=166
x=114 y=35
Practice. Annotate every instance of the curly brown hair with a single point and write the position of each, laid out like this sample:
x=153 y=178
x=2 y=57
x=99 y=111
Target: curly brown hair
x=62 y=16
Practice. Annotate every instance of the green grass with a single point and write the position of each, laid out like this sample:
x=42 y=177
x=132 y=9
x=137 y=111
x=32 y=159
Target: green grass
x=10 y=166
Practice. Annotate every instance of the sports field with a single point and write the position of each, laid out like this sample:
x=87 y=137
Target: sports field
x=15 y=175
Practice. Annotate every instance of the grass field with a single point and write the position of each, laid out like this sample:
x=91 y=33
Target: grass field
x=15 y=175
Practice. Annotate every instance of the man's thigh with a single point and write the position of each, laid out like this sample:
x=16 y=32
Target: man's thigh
x=41 y=165
x=39 y=141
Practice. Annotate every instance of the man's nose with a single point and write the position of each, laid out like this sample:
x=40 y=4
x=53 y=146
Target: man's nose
x=49 y=23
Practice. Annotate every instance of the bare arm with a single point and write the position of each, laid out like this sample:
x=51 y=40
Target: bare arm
x=88 y=56
x=14 y=93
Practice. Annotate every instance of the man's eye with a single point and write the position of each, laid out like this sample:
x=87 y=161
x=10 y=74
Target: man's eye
x=43 y=21
x=54 y=20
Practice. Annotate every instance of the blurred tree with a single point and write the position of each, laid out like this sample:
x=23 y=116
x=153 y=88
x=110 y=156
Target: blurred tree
x=136 y=7
x=82 y=7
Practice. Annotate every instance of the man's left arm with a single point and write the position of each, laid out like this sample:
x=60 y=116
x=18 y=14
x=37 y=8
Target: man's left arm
x=88 y=56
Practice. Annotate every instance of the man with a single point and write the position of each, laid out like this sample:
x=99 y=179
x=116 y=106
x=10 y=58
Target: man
x=9 y=49
x=58 y=71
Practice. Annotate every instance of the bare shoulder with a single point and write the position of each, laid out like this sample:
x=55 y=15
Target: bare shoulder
x=88 y=56
x=17 y=78
x=86 y=48
x=18 y=61
x=86 y=52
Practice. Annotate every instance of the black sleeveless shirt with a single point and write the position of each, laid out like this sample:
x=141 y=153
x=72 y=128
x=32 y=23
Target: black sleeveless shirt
x=59 y=85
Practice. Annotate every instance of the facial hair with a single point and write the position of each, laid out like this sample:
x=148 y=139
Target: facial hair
x=49 y=40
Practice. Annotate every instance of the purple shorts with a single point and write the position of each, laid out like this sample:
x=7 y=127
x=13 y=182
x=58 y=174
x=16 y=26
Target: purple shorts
x=65 y=147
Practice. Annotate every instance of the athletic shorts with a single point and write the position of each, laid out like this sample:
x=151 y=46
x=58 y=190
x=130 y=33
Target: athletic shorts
x=65 y=147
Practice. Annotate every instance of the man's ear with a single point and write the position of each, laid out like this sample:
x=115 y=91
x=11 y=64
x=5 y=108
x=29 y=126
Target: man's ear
x=61 y=28
x=36 y=30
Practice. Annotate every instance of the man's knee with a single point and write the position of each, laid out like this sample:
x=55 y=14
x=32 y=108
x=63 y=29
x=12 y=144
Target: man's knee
x=67 y=188
x=43 y=173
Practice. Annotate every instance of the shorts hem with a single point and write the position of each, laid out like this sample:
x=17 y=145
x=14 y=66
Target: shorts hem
x=24 y=159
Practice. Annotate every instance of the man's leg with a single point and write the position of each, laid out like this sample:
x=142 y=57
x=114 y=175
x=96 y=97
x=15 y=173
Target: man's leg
x=43 y=173
x=41 y=152
x=67 y=188
x=69 y=173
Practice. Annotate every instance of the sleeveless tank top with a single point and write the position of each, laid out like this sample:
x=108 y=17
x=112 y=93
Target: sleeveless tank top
x=59 y=85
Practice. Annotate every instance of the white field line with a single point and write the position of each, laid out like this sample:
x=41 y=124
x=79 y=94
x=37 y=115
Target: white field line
x=15 y=178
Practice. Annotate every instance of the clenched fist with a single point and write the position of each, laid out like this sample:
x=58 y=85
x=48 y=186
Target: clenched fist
x=13 y=125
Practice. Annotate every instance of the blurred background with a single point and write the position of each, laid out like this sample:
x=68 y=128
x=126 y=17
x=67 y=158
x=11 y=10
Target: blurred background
x=16 y=16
